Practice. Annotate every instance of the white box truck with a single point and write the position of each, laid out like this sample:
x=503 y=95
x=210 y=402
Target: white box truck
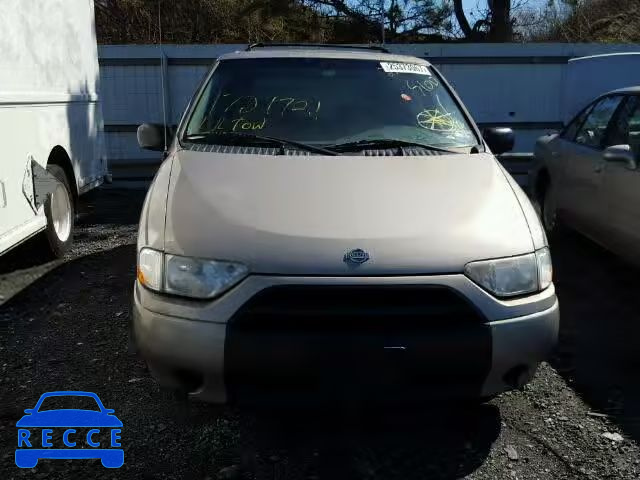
x=50 y=119
x=590 y=77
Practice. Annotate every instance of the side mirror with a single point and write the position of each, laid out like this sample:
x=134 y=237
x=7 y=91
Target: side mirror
x=28 y=411
x=621 y=154
x=499 y=139
x=151 y=136
x=109 y=411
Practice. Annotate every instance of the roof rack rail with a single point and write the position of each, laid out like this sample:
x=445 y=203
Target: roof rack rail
x=378 y=48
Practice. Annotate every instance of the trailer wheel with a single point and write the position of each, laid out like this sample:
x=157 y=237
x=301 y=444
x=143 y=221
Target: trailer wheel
x=59 y=210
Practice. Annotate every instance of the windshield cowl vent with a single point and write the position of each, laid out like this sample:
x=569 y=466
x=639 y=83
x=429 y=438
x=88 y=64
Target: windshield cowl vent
x=234 y=149
x=394 y=152
x=244 y=149
x=253 y=150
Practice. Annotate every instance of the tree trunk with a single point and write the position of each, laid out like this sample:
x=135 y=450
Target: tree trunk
x=458 y=9
x=501 y=29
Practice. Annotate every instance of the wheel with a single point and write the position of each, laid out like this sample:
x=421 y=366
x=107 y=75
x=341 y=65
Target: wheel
x=549 y=216
x=544 y=204
x=59 y=210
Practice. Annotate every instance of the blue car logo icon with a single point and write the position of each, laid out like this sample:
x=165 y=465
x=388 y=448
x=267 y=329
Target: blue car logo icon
x=85 y=433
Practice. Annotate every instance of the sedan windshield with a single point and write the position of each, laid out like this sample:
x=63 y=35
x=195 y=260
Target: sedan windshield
x=327 y=102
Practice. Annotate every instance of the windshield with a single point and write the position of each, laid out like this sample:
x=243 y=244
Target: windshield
x=328 y=102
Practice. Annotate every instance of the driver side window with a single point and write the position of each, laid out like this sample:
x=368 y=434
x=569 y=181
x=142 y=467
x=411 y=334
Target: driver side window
x=625 y=129
x=593 y=130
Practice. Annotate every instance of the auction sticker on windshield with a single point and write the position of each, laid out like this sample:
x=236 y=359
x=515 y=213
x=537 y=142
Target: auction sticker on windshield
x=394 y=67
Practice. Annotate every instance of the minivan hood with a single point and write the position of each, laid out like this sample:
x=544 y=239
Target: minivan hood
x=299 y=215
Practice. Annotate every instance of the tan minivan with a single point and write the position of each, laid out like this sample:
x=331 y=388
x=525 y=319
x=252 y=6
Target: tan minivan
x=331 y=222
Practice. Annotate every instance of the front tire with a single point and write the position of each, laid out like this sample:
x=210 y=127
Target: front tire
x=60 y=213
x=549 y=214
x=544 y=204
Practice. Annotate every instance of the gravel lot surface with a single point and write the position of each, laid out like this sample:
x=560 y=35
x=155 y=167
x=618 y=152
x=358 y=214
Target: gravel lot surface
x=63 y=326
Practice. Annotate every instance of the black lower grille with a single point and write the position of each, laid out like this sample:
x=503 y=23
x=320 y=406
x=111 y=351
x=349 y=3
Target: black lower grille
x=358 y=305
x=326 y=340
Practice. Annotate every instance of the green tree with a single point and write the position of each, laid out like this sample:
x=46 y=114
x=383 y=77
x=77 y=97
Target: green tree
x=610 y=21
x=208 y=21
x=404 y=20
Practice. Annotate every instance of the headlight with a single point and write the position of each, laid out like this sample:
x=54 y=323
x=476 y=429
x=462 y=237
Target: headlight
x=508 y=277
x=194 y=277
x=187 y=276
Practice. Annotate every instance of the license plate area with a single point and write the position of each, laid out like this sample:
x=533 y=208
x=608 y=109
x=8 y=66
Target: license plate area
x=433 y=361
x=360 y=340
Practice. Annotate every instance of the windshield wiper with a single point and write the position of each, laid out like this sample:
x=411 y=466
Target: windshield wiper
x=282 y=142
x=383 y=143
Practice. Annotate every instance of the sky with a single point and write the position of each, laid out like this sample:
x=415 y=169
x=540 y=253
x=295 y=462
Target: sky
x=471 y=5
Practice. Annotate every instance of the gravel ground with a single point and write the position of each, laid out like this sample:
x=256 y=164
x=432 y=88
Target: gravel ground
x=63 y=326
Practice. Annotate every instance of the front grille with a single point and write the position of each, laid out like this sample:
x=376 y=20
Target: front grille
x=344 y=307
x=319 y=340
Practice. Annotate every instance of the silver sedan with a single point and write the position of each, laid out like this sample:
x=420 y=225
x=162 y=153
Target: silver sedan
x=587 y=176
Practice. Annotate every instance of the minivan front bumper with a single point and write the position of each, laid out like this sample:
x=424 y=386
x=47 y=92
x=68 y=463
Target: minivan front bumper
x=481 y=348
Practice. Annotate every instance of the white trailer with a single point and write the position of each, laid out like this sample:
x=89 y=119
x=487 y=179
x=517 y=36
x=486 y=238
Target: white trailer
x=50 y=119
x=590 y=77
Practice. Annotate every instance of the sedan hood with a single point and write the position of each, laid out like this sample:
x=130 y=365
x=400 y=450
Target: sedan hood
x=299 y=215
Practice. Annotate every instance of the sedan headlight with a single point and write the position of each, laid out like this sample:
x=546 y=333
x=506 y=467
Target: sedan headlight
x=512 y=276
x=187 y=276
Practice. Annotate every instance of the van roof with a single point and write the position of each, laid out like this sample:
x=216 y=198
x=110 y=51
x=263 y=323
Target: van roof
x=354 y=53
